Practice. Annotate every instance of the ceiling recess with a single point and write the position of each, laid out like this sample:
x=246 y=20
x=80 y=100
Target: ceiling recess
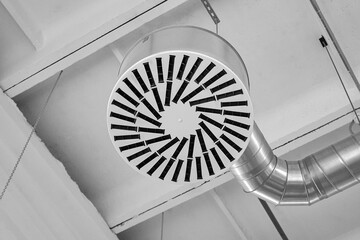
x=180 y=112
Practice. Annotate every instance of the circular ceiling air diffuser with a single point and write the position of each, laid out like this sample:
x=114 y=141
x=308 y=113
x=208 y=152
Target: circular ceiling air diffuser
x=180 y=115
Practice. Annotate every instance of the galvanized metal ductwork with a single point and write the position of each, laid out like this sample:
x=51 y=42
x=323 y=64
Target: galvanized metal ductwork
x=181 y=113
x=303 y=182
x=308 y=180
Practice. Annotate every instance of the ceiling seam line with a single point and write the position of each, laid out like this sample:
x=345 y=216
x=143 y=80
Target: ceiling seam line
x=166 y=201
x=278 y=147
x=85 y=45
x=313 y=130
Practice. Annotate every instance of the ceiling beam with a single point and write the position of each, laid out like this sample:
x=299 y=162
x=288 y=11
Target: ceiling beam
x=41 y=201
x=54 y=60
x=182 y=194
x=228 y=215
x=169 y=201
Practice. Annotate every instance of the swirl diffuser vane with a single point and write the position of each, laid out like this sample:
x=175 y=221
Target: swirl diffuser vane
x=179 y=112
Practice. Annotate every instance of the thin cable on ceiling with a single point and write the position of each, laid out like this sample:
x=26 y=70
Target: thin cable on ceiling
x=29 y=138
x=162 y=226
x=273 y=219
x=336 y=44
x=325 y=45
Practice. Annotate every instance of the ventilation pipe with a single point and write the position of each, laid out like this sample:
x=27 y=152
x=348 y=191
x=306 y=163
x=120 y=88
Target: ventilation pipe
x=303 y=182
x=306 y=181
x=181 y=113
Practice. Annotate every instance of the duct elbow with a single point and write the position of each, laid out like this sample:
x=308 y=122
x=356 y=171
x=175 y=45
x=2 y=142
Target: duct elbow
x=303 y=182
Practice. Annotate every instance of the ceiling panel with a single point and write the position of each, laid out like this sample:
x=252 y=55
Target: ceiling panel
x=47 y=22
x=293 y=87
x=344 y=20
x=334 y=218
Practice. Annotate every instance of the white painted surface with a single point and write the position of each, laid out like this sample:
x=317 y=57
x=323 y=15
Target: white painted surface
x=288 y=68
x=201 y=218
x=118 y=192
x=229 y=216
x=335 y=218
x=41 y=201
x=344 y=20
x=86 y=149
x=45 y=22
x=76 y=30
x=293 y=87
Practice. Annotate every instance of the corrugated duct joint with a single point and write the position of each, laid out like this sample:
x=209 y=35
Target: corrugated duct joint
x=302 y=182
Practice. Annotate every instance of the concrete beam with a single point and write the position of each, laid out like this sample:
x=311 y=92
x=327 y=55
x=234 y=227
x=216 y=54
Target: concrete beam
x=41 y=201
x=51 y=59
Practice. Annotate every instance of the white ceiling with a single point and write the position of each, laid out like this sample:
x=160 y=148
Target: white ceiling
x=294 y=87
x=201 y=218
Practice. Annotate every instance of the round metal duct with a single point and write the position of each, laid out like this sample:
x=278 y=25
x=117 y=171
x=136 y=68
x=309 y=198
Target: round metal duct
x=181 y=111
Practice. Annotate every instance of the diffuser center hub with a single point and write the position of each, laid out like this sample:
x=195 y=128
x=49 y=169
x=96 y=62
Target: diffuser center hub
x=180 y=120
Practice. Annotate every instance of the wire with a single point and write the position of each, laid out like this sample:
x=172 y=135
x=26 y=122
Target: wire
x=273 y=219
x=28 y=139
x=343 y=85
x=162 y=226
x=351 y=127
